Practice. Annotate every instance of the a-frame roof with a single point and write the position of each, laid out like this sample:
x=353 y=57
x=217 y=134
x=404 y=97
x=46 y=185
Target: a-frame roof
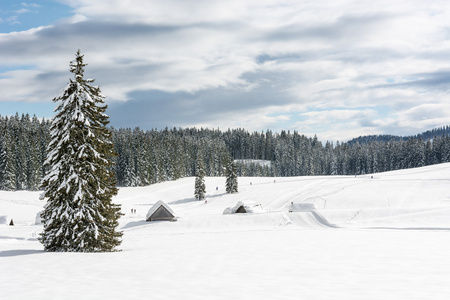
x=158 y=205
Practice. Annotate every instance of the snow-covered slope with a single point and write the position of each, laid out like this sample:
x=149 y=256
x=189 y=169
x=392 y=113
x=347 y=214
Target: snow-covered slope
x=418 y=198
x=379 y=236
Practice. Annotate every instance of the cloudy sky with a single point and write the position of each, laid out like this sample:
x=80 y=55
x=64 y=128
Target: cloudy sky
x=338 y=69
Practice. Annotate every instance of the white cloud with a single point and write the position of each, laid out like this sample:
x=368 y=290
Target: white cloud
x=343 y=58
x=27 y=8
x=22 y=11
x=11 y=20
x=34 y=5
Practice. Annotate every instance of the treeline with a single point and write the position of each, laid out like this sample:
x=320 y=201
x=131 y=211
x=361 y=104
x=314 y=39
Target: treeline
x=427 y=135
x=292 y=154
x=151 y=156
x=146 y=157
x=23 y=144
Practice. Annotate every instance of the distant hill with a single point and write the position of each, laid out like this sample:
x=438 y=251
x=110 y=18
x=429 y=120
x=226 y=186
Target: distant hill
x=427 y=135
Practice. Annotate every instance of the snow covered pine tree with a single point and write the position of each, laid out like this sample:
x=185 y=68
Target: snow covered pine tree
x=79 y=215
x=200 y=188
x=231 y=184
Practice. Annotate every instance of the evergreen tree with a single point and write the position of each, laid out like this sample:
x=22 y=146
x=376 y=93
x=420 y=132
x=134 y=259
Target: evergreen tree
x=34 y=167
x=231 y=178
x=79 y=215
x=200 y=188
x=2 y=162
x=7 y=165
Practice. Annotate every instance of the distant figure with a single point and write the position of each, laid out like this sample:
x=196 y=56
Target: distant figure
x=371 y=177
x=274 y=180
x=217 y=188
x=250 y=183
x=131 y=210
x=11 y=223
x=206 y=201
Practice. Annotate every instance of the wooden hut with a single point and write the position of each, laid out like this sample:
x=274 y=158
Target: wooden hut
x=5 y=220
x=244 y=207
x=241 y=210
x=161 y=211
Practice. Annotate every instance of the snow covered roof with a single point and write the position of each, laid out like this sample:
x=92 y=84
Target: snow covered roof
x=299 y=207
x=249 y=206
x=5 y=220
x=158 y=205
x=38 y=219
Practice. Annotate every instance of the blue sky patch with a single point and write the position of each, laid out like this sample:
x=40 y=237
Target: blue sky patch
x=21 y=16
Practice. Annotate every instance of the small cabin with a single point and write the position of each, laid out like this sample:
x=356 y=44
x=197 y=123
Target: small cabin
x=160 y=212
x=6 y=220
x=241 y=210
x=38 y=219
x=244 y=208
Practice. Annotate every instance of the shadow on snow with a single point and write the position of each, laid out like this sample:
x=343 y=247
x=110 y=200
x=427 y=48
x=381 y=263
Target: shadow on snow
x=10 y=253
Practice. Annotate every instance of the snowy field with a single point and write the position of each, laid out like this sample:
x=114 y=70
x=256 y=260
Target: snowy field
x=380 y=236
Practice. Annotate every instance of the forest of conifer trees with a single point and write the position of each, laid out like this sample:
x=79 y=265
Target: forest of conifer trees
x=151 y=156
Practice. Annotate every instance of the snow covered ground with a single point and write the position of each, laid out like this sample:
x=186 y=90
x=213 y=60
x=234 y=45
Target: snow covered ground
x=380 y=236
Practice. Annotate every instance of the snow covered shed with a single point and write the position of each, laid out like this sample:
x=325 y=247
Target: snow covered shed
x=244 y=207
x=38 y=219
x=160 y=211
x=301 y=207
x=5 y=220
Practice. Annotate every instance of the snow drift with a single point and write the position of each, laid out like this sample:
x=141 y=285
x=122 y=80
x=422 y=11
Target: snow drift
x=299 y=207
